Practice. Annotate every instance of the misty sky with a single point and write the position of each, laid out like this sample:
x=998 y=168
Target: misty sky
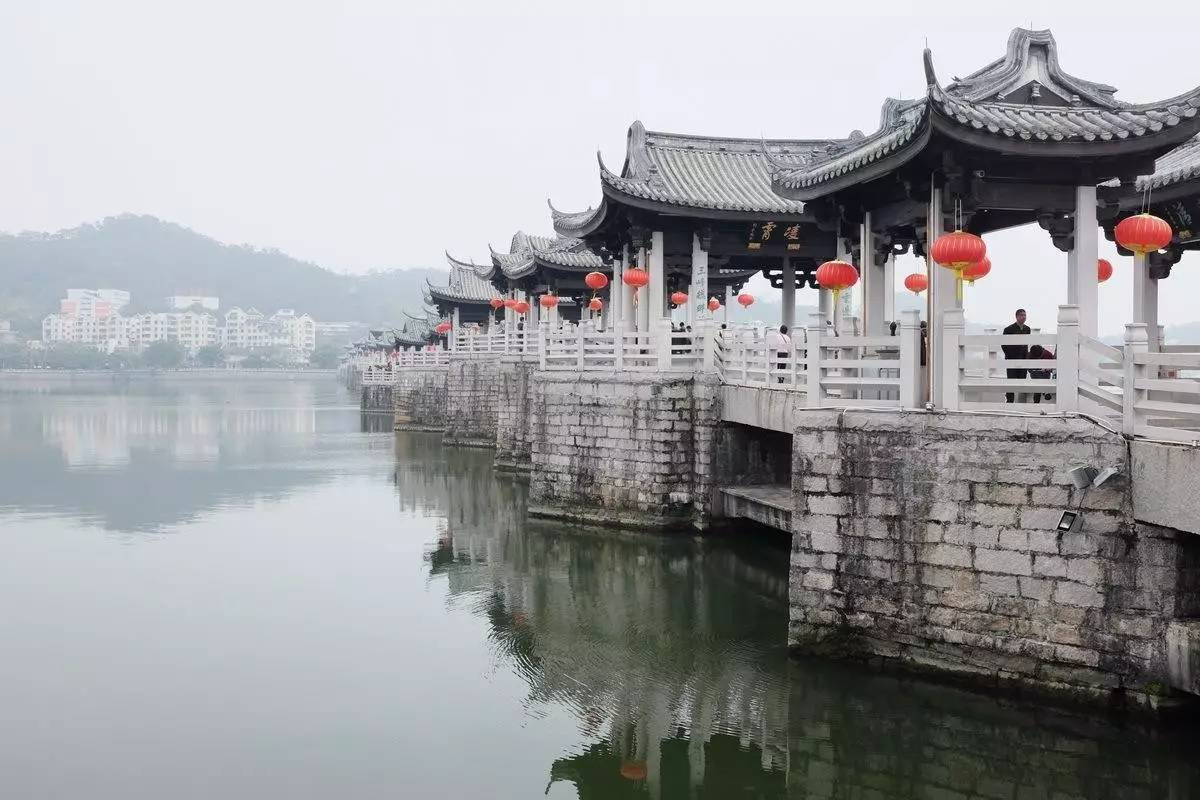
x=362 y=135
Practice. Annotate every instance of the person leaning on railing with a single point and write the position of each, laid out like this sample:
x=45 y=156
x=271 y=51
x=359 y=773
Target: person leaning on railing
x=1039 y=352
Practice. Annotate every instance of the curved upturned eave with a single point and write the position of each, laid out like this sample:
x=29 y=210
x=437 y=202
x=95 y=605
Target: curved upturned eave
x=456 y=299
x=877 y=167
x=702 y=212
x=579 y=230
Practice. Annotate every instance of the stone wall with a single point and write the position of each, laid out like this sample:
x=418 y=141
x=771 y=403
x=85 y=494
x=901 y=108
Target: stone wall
x=630 y=450
x=513 y=441
x=472 y=400
x=420 y=396
x=931 y=540
x=377 y=398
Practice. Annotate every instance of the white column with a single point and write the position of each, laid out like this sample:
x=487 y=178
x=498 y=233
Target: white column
x=657 y=290
x=788 y=317
x=454 y=322
x=621 y=296
x=1083 y=279
x=874 y=314
x=1066 y=354
x=942 y=297
x=844 y=298
x=948 y=361
x=912 y=388
x=729 y=301
x=889 y=290
x=534 y=317
x=1135 y=343
x=643 y=296
x=1145 y=299
x=698 y=304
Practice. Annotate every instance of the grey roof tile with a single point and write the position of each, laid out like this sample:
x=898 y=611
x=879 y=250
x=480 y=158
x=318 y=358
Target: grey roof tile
x=1181 y=164
x=526 y=250
x=466 y=284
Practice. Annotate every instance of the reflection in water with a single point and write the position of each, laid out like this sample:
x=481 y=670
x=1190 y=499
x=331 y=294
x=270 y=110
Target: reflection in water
x=669 y=654
x=149 y=455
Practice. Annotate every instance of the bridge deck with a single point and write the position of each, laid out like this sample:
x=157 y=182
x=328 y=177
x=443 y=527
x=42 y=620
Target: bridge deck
x=767 y=504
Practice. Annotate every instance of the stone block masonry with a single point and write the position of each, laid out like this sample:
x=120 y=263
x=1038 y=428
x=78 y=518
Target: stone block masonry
x=622 y=449
x=377 y=398
x=420 y=399
x=931 y=541
x=472 y=400
x=513 y=416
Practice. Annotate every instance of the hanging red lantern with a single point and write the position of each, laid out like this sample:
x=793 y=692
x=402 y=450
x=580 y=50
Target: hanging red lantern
x=836 y=276
x=679 y=298
x=713 y=304
x=636 y=277
x=1143 y=233
x=916 y=282
x=956 y=251
x=521 y=307
x=443 y=328
x=596 y=304
x=746 y=299
x=596 y=280
x=977 y=270
x=510 y=303
x=548 y=301
x=496 y=303
x=1103 y=270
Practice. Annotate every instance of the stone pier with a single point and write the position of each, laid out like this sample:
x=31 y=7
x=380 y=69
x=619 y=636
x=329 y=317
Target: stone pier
x=622 y=449
x=932 y=541
x=377 y=398
x=420 y=400
x=513 y=387
x=472 y=402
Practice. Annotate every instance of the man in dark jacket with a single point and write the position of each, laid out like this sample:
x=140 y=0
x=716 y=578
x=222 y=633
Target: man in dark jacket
x=1016 y=351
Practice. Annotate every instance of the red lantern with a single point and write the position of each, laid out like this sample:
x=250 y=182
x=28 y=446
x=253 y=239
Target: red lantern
x=636 y=277
x=596 y=304
x=916 y=282
x=521 y=307
x=1143 y=233
x=713 y=304
x=746 y=299
x=496 y=303
x=977 y=270
x=1103 y=270
x=634 y=770
x=679 y=298
x=596 y=280
x=443 y=328
x=836 y=276
x=547 y=301
x=956 y=251
x=510 y=303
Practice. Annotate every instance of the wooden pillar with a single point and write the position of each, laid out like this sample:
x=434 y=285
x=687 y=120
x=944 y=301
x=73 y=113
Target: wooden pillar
x=788 y=317
x=1082 y=283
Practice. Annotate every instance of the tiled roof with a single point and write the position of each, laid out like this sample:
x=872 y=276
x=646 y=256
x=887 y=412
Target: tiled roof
x=526 y=250
x=701 y=173
x=1025 y=96
x=466 y=283
x=1181 y=164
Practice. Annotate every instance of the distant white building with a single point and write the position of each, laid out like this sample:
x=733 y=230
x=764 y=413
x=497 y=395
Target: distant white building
x=182 y=302
x=190 y=329
x=91 y=317
x=250 y=330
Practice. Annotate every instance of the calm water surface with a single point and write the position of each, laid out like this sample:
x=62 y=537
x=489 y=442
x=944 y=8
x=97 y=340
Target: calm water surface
x=252 y=591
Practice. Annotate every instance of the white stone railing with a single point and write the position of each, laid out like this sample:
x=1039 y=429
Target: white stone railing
x=1150 y=394
x=582 y=347
x=376 y=375
x=831 y=370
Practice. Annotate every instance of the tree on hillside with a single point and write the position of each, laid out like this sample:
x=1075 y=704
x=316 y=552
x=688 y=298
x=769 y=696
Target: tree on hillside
x=163 y=355
x=325 y=356
x=210 y=356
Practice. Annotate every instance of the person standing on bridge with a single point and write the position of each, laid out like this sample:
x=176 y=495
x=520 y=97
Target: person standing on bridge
x=1016 y=352
x=780 y=343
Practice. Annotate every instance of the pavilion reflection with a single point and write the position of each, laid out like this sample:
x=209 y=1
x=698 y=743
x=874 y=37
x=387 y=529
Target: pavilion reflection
x=669 y=652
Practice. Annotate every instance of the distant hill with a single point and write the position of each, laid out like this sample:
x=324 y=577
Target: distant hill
x=153 y=259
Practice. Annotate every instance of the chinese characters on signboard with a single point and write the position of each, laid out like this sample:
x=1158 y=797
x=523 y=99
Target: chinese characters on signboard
x=773 y=233
x=1182 y=216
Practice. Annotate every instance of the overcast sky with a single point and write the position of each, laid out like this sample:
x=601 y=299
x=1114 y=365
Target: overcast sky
x=361 y=135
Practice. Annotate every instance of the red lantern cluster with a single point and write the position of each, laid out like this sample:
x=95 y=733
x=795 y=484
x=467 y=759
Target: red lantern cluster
x=548 y=301
x=979 y=269
x=958 y=251
x=713 y=304
x=636 y=277
x=679 y=298
x=1143 y=233
x=596 y=281
x=510 y=303
x=496 y=303
x=916 y=282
